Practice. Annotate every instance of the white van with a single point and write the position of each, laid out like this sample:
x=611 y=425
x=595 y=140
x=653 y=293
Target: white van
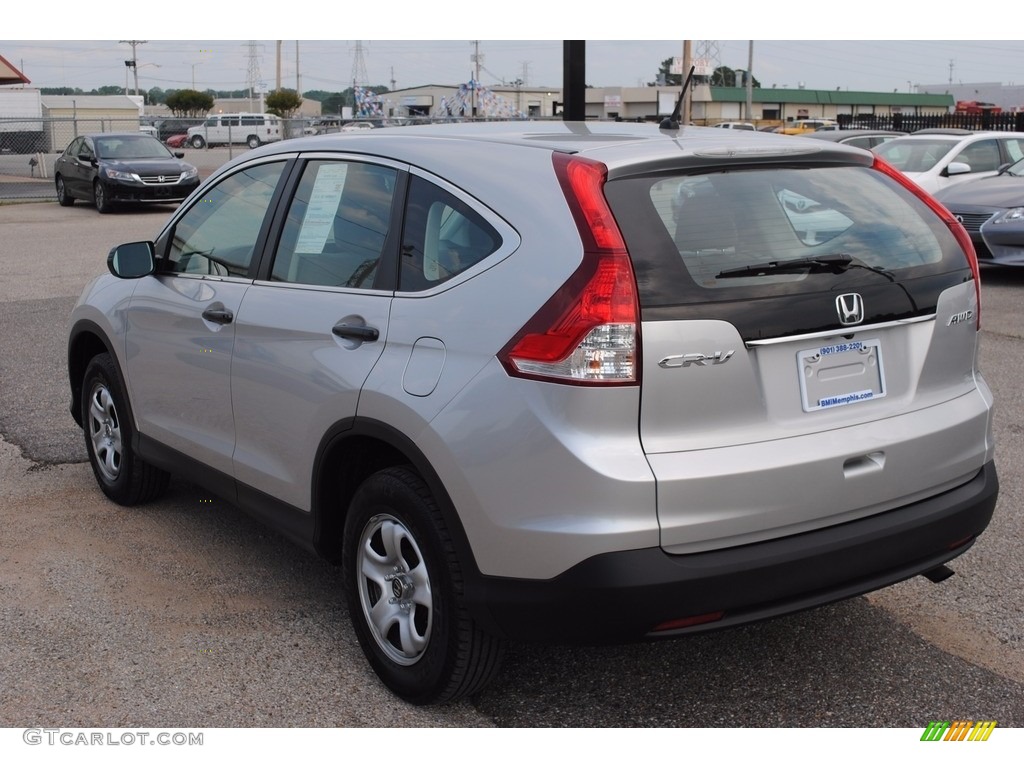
x=236 y=128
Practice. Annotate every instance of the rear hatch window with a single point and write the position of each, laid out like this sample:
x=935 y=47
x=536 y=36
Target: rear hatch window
x=751 y=246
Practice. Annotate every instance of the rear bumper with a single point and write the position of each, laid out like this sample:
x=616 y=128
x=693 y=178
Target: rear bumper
x=623 y=596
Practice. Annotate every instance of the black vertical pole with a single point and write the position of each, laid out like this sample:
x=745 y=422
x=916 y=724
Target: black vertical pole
x=574 y=86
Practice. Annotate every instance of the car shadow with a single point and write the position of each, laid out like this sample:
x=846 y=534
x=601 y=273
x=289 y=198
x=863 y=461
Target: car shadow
x=849 y=664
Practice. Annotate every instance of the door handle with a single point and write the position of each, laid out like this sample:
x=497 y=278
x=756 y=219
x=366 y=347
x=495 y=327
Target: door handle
x=218 y=316
x=356 y=332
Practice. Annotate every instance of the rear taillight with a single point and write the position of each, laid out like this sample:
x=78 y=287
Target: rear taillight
x=962 y=238
x=588 y=331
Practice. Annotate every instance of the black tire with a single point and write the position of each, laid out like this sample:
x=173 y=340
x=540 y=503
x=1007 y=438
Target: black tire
x=63 y=198
x=101 y=197
x=253 y=142
x=197 y=142
x=397 y=552
x=107 y=425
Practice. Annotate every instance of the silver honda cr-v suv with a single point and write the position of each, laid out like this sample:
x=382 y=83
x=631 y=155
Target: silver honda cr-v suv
x=554 y=382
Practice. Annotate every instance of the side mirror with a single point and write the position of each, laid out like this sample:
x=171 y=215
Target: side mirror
x=179 y=154
x=132 y=260
x=955 y=169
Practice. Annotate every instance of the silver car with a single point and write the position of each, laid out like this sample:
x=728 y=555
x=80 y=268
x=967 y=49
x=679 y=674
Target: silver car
x=554 y=382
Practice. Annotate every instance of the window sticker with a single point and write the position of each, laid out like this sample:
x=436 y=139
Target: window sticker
x=322 y=208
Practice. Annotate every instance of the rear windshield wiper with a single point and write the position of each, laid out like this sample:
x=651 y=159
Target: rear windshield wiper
x=835 y=263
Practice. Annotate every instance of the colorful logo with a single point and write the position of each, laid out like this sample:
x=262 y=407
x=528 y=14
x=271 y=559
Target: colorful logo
x=958 y=730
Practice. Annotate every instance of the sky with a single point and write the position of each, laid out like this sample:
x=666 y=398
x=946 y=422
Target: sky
x=521 y=41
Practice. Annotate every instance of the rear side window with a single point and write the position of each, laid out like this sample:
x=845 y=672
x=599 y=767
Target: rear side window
x=699 y=238
x=1014 y=149
x=443 y=237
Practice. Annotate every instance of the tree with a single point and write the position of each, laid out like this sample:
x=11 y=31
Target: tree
x=665 y=77
x=331 y=102
x=731 y=78
x=721 y=77
x=283 y=102
x=189 y=103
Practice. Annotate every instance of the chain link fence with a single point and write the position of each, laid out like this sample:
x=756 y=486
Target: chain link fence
x=29 y=146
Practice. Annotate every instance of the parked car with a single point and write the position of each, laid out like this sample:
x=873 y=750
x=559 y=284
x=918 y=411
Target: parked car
x=942 y=132
x=936 y=161
x=252 y=130
x=111 y=168
x=172 y=127
x=357 y=125
x=856 y=137
x=325 y=124
x=737 y=126
x=992 y=212
x=559 y=400
x=798 y=127
x=177 y=141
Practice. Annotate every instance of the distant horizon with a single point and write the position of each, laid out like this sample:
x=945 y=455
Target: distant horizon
x=873 y=66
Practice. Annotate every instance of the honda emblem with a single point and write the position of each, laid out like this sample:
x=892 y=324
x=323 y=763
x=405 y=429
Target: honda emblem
x=850 y=307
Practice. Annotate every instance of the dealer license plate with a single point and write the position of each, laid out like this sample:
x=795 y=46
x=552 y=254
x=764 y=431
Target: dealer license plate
x=842 y=373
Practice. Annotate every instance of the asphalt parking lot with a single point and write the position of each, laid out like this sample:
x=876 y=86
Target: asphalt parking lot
x=186 y=613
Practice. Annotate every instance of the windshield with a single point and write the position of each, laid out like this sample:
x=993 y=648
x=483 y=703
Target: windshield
x=915 y=155
x=130 y=148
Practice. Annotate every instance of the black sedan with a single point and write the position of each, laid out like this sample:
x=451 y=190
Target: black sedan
x=992 y=212
x=109 y=168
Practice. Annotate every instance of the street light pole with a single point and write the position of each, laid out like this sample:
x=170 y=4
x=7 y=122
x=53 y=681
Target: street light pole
x=135 y=61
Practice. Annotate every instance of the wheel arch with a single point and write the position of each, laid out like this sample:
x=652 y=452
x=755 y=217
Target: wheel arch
x=349 y=453
x=85 y=341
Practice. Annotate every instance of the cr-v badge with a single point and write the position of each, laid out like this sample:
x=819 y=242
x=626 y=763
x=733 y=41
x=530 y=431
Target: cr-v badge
x=850 y=307
x=695 y=358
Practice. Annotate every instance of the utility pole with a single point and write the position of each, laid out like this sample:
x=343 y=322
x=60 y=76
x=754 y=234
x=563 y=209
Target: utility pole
x=685 y=116
x=134 y=63
x=475 y=58
x=750 y=81
x=298 y=88
x=277 y=79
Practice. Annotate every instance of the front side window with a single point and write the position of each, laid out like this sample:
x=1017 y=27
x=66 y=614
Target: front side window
x=337 y=225
x=913 y=155
x=981 y=156
x=443 y=237
x=218 y=234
